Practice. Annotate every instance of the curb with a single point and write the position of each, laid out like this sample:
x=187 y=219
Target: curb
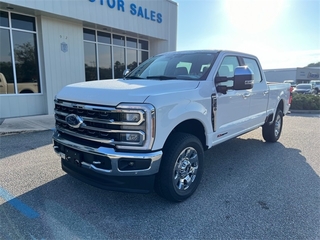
x=305 y=111
x=26 y=124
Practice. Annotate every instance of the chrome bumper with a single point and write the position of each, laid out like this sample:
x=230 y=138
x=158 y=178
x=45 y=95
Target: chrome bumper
x=114 y=157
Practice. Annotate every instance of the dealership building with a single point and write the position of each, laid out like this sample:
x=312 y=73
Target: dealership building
x=298 y=75
x=46 y=45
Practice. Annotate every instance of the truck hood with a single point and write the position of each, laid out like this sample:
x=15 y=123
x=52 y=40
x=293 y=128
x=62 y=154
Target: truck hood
x=113 y=92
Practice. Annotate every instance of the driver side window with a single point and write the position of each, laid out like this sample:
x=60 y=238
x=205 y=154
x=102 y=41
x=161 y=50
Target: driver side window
x=227 y=68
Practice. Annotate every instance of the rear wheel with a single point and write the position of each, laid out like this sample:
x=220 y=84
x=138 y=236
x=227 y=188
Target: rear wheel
x=271 y=131
x=181 y=167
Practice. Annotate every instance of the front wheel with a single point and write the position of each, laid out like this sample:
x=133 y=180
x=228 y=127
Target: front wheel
x=271 y=132
x=181 y=167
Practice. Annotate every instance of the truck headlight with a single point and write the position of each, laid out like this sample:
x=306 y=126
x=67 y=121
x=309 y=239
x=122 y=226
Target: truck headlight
x=130 y=117
x=136 y=126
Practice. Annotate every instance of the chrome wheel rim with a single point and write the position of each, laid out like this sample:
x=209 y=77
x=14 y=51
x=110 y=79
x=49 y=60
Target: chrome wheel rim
x=185 y=169
x=277 y=126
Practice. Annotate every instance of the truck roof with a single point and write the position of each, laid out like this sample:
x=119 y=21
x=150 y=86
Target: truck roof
x=207 y=51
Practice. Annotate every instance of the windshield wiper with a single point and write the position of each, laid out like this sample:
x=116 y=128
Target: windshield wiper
x=161 y=77
x=132 y=77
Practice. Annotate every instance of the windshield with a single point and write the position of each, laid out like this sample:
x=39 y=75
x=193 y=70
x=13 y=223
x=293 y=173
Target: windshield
x=304 y=86
x=176 y=65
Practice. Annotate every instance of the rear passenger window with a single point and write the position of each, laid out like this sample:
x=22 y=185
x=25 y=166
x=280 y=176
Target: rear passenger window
x=253 y=65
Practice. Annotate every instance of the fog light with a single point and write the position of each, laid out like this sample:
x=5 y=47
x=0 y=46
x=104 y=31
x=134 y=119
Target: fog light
x=130 y=137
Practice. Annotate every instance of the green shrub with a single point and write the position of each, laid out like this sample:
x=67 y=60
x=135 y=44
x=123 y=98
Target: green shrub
x=305 y=102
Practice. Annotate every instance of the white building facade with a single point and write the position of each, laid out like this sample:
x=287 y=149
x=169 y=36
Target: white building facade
x=46 y=45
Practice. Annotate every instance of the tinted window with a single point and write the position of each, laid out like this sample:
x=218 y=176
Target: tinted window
x=23 y=22
x=4 y=20
x=19 y=68
x=143 y=45
x=118 y=40
x=104 y=37
x=132 y=57
x=119 y=64
x=26 y=57
x=143 y=56
x=90 y=62
x=253 y=65
x=105 y=66
x=132 y=42
x=89 y=35
x=107 y=55
x=6 y=67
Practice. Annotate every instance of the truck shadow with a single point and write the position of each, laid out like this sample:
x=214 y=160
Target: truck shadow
x=250 y=189
x=22 y=142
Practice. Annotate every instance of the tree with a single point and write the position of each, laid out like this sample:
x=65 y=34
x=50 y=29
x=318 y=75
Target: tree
x=26 y=63
x=314 y=64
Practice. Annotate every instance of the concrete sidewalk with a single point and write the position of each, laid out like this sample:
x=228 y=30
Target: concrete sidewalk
x=26 y=124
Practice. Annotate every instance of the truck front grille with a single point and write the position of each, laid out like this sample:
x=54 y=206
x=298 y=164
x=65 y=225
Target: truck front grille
x=123 y=126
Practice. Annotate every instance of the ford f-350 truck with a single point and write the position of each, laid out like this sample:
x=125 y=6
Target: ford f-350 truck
x=149 y=130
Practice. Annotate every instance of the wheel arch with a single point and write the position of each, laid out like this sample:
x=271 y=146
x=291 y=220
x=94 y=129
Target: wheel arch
x=271 y=117
x=193 y=127
x=26 y=91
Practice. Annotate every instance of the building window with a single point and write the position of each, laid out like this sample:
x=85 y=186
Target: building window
x=19 y=65
x=108 y=55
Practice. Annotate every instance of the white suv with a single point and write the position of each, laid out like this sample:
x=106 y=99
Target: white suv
x=315 y=85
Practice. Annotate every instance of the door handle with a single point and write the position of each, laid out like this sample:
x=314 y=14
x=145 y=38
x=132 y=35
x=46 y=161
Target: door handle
x=265 y=93
x=246 y=95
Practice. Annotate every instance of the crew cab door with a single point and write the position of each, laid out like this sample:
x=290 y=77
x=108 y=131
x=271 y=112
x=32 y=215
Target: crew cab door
x=231 y=116
x=259 y=94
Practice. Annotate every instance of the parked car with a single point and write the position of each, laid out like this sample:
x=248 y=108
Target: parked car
x=315 y=85
x=292 y=82
x=304 y=88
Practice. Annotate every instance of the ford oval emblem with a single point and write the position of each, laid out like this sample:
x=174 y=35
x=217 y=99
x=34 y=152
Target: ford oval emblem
x=74 y=120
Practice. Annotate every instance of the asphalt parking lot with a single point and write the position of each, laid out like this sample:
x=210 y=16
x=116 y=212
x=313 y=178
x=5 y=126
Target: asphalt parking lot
x=250 y=190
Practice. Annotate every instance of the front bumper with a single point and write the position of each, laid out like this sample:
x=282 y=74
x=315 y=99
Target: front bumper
x=105 y=168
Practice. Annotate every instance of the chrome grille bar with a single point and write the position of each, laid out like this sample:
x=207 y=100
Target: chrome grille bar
x=102 y=124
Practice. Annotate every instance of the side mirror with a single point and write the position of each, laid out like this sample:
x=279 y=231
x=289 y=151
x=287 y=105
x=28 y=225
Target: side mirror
x=222 y=89
x=220 y=79
x=243 y=78
x=125 y=72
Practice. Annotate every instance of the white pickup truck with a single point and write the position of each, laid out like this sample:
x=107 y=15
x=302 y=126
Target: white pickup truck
x=149 y=129
x=8 y=88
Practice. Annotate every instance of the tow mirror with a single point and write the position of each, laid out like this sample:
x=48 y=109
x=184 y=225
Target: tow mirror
x=125 y=72
x=243 y=78
x=222 y=89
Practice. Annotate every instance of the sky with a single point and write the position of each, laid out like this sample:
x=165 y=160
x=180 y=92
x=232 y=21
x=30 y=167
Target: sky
x=281 y=33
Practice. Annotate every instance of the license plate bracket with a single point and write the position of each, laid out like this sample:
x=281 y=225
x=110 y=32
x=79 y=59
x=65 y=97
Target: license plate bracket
x=73 y=156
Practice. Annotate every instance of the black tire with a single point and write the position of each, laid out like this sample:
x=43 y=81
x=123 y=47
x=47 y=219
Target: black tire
x=271 y=131
x=181 y=167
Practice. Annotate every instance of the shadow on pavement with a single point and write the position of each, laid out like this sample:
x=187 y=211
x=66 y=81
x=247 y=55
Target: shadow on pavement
x=16 y=143
x=250 y=189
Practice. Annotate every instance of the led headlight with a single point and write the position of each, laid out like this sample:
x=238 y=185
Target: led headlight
x=130 y=117
x=136 y=126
